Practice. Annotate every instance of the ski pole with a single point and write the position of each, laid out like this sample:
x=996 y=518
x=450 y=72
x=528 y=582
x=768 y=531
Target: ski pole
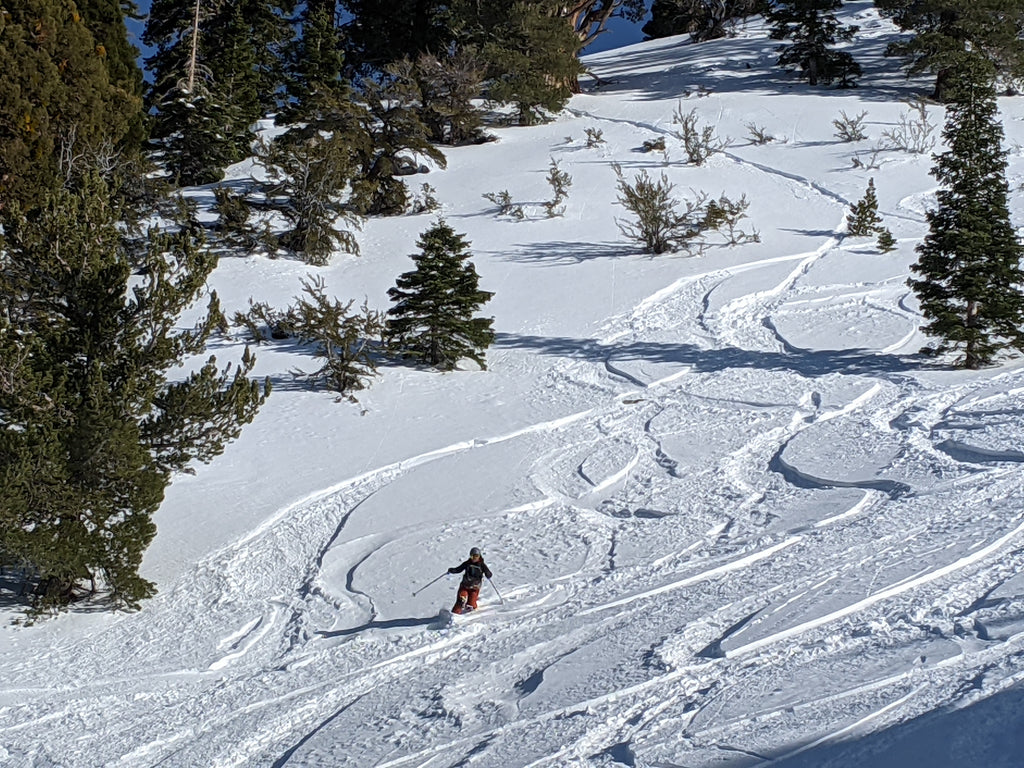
x=427 y=585
x=496 y=590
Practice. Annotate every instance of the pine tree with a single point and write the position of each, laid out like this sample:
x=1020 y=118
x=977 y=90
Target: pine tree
x=317 y=89
x=215 y=71
x=307 y=174
x=814 y=29
x=863 y=218
x=448 y=86
x=93 y=426
x=531 y=54
x=970 y=276
x=391 y=130
x=59 y=111
x=381 y=32
x=886 y=242
x=105 y=19
x=432 y=319
x=951 y=35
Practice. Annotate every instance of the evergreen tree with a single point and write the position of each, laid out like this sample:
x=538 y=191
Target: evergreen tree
x=105 y=19
x=308 y=174
x=317 y=89
x=862 y=218
x=59 y=111
x=951 y=35
x=969 y=270
x=93 y=428
x=391 y=130
x=702 y=19
x=532 y=56
x=381 y=32
x=447 y=87
x=432 y=319
x=886 y=242
x=814 y=29
x=215 y=72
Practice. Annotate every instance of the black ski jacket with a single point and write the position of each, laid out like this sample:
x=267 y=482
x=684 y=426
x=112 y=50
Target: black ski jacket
x=472 y=572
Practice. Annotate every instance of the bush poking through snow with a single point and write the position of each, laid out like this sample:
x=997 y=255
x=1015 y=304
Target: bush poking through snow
x=658 y=226
x=723 y=215
x=759 y=134
x=850 y=129
x=425 y=201
x=699 y=142
x=345 y=340
x=560 y=182
x=654 y=145
x=914 y=132
x=506 y=206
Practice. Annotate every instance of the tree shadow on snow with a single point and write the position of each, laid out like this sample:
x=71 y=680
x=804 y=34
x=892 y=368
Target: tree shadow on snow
x=804 y=362
x=407 y=623
x=567 y=252
x=987 y=733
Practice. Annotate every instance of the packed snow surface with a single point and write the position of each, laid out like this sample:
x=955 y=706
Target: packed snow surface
x=733 y=517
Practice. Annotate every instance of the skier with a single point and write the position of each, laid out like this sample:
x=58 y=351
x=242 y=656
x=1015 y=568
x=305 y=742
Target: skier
x=473 y=571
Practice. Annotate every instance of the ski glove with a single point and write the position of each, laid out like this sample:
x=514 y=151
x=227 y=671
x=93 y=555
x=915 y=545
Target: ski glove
x=453 y=570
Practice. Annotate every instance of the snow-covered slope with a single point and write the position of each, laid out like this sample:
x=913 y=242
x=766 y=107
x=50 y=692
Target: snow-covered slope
x=732 y=517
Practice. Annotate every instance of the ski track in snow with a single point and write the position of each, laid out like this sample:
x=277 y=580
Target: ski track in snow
x=707 y=575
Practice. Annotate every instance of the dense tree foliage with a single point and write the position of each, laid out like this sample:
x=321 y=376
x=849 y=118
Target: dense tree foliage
x=951 y=36
x=381 y=32
x=701 y=19
x=216 y=70
x=60 y=111
x=92 y=424
x=531 y=55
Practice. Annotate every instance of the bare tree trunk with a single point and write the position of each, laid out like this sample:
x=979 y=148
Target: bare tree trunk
x=191 y=76
x=588 y=19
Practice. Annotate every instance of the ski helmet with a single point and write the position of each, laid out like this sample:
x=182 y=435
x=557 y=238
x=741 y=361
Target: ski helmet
x=475 y=552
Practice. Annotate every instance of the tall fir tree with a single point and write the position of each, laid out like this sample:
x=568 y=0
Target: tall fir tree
x=952 y=35
x=969 y=272
x=814 y=30
x=216 y=70
x=93 y=425
x=317 y=88
x=433 y=317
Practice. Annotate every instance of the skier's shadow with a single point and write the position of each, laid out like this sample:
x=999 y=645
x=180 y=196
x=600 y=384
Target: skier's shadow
x=408 y=623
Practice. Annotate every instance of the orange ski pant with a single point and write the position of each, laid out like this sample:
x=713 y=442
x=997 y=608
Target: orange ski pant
x=467 y=598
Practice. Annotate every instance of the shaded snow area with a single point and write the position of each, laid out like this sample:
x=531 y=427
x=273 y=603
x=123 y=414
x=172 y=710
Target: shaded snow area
x=735 y=520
